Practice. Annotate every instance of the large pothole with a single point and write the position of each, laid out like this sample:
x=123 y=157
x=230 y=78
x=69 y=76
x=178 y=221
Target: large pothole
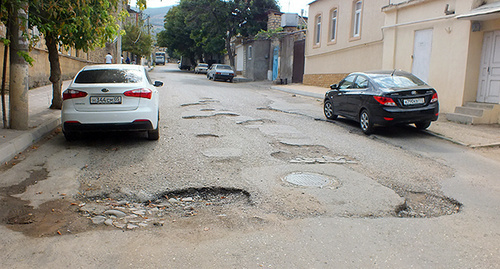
x=426 y=205
x=69 y=216
x=309 y=154
x=167 y=207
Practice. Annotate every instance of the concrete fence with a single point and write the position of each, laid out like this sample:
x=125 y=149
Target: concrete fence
x=39 y=73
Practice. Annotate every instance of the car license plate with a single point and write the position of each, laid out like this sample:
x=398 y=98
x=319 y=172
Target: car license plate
x=99 y=100
x=413 y=101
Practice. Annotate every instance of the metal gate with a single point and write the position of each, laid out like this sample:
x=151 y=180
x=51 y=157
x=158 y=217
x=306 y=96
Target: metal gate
x=298 y=61
x=276 y=53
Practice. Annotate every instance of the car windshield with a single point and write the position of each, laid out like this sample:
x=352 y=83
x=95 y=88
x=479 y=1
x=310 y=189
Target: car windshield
x=109 y=76
x=397 y=81
x=203 y=65
x=227 y=67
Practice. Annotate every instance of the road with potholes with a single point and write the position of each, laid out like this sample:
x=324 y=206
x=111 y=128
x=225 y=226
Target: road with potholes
x=248 y=177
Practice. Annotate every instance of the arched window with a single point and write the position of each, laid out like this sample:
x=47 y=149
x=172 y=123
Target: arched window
x=333 y=24
x=356 y=24
x=317 y=30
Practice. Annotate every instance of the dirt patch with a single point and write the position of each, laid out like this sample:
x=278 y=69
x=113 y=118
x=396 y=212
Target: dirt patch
x=52 y=218
x=49 y=219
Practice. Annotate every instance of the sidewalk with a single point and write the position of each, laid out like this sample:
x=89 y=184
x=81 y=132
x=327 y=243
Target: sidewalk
x=473 y=136
x=43 y=120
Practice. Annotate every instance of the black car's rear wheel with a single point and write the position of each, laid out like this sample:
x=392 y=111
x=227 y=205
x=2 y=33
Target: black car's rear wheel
x=328 y=110
x=422 y=125
x=365 y=122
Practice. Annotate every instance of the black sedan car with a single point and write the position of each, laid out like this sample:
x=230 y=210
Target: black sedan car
x=382 y=98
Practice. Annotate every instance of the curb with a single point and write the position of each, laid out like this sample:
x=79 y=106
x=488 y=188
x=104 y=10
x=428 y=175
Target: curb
x=473 y=146
x=299 y=92
x=429 y=132
x=12 y=148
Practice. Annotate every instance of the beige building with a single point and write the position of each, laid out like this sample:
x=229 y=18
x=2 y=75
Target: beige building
x=454 y=45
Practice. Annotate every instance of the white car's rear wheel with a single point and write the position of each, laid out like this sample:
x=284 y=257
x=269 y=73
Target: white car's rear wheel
x=155 y=134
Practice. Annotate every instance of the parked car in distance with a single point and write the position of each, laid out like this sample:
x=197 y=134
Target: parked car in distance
x=220 y=71
x=111 y=97
x=382 y=98
x=201 y=68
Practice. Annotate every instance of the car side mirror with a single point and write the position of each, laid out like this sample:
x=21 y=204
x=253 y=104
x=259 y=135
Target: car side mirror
x=158 y=83
x=334 y=86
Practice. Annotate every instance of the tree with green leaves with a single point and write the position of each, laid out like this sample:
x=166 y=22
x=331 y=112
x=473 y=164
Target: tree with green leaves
x=136 y=40
x=80 y=24
x=196 y=27
x=177 y=36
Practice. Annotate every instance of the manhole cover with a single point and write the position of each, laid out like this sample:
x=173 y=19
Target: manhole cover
x=308 y=179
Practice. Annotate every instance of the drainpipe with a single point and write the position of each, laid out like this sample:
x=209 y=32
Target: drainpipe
x=420 y=21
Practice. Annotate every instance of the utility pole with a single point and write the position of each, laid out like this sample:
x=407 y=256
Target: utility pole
x=119 y=42
x=18 y=80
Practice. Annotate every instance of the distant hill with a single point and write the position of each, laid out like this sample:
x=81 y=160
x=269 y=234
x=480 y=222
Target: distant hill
x=156 y=17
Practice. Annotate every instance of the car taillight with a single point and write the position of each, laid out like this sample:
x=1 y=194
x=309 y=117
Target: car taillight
x=218 y=73
x=140 y=93
x=386 y=101
x=70 y=94
x=434 y=98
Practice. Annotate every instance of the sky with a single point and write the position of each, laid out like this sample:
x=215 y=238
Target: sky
x=288 y=6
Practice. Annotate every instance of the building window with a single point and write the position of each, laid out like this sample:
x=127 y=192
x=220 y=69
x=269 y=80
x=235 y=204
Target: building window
x=356 y=25
x=250 y=52
x=317 y=32
x=333 y=25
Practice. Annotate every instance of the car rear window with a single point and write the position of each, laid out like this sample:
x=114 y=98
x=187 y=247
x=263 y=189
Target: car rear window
x=224 y=67
x=203 y=65
x=109 y=76
x=398 y=81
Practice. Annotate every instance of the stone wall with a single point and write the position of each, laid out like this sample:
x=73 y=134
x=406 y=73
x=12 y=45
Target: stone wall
x=322 y=80
x=40 y=71
x=273 y=20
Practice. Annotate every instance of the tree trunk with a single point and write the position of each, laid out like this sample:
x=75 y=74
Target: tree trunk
x=18 y=80
x=230 y=51
x=55 y=72
x=4 y=80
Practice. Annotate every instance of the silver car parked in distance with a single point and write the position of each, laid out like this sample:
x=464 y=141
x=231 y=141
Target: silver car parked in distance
x=201 y=68
x=220 y=71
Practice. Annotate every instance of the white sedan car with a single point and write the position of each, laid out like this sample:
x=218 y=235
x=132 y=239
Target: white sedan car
x=201 y=68
x=220 y=71
x=111 y=97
